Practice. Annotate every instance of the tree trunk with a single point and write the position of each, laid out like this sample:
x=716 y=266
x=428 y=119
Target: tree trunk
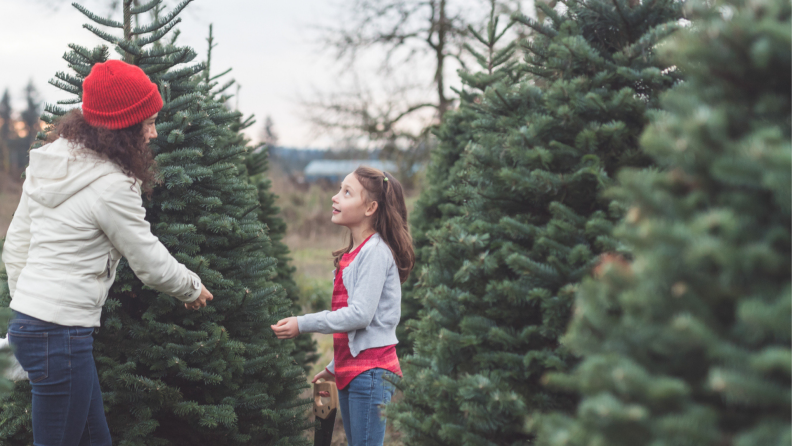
x=127 y=5
x=442 y=101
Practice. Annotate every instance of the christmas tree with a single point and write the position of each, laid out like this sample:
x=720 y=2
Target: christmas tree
x=500 y=281
x=169 y=375
x=690 y=344
x=440 y=199
x=256 y=165
x=305 y=352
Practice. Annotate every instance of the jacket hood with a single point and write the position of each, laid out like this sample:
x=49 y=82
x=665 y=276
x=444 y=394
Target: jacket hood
x=60 y=169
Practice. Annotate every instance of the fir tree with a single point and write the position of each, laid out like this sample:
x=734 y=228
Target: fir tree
x=440 y=199
x=305 y=352
x=171 y=376
x=499 y=285
x=5 y=131
x=30 y=116
x=255 y=166
x=690 y=345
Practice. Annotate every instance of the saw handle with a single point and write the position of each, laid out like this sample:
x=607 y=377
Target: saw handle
x=320 y=409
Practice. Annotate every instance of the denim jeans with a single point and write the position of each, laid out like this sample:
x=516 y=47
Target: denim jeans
x=67 y=402
x=360 y=405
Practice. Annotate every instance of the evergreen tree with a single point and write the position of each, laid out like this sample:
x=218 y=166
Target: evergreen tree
x=690 y=345
x=169 y=375
x=305 y=352
x=256 y=164
x=440 y=199
x=30 y=116
x=5 y=317
x=498 y=288
x=5 y=131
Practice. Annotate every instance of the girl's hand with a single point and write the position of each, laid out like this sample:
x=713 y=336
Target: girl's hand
x=325 y=375
x=286 y=328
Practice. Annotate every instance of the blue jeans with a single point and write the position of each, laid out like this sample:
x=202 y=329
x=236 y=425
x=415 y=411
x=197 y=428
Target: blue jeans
x=67 y=402
x=360 y=405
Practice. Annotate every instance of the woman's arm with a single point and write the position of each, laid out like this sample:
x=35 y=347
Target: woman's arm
x=17 y=243
x=120 y=214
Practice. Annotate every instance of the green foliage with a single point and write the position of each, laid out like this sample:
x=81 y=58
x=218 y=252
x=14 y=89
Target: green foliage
x=441 y=199
x=691 y=344
x=169 y=375
x=305 y=352
x=500 y=279
x=5 y=317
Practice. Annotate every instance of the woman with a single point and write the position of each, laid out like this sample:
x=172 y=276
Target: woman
x=81 y=211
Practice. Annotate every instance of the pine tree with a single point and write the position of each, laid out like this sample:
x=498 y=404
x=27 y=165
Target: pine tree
x=690 y=344
x=498 y=290
x=305 y=352
x=440 y=199
x=171 y=376
x=256 y=165
x=5 y=131
x=30 y=116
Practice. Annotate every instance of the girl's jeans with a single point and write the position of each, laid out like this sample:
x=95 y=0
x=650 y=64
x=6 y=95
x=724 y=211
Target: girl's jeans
x=67 y=402
x=360 y=407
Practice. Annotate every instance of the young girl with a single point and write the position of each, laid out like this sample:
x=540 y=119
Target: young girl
x=366 y=303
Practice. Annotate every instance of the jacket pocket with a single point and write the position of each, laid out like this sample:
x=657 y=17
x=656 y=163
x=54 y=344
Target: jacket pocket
x=106 y=277
x=32 y=352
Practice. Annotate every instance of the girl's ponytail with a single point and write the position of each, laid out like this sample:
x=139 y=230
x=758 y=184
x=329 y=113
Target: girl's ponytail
x=390 y=220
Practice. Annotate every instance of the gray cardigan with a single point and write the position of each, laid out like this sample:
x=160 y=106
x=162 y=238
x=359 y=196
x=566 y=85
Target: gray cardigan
x=370 y=320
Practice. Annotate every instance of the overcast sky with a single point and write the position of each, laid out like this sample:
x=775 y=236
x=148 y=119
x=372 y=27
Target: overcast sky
x=272 y=46
x=269 y=44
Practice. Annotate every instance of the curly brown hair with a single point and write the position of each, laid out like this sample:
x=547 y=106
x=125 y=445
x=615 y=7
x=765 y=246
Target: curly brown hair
x=126 y=147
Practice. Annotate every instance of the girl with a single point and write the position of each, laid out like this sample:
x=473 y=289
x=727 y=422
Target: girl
x=366 y=303
x=80 y=212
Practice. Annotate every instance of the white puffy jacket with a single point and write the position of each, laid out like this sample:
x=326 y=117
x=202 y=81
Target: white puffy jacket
x=78 y=215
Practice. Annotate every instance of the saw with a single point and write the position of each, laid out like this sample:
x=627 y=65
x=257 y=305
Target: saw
x=325 y=413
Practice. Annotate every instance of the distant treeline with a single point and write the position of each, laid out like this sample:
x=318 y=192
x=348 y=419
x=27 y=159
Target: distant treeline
x=18 y=130
x=293 y=160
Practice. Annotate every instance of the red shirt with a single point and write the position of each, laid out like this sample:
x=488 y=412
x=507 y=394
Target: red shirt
x=348 y=367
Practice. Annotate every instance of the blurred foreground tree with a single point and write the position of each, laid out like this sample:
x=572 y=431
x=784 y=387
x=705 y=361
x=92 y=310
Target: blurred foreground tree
x=690 y=344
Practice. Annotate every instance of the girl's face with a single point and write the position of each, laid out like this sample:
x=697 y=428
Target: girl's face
x=350 y=207
x=150 y=128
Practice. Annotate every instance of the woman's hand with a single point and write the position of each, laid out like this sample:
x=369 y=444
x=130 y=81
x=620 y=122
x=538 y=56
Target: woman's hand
x=325 y=375
x=286 y=328
x=201 y=301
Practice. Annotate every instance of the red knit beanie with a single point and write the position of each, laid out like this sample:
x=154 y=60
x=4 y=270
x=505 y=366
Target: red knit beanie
x=118 y=95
